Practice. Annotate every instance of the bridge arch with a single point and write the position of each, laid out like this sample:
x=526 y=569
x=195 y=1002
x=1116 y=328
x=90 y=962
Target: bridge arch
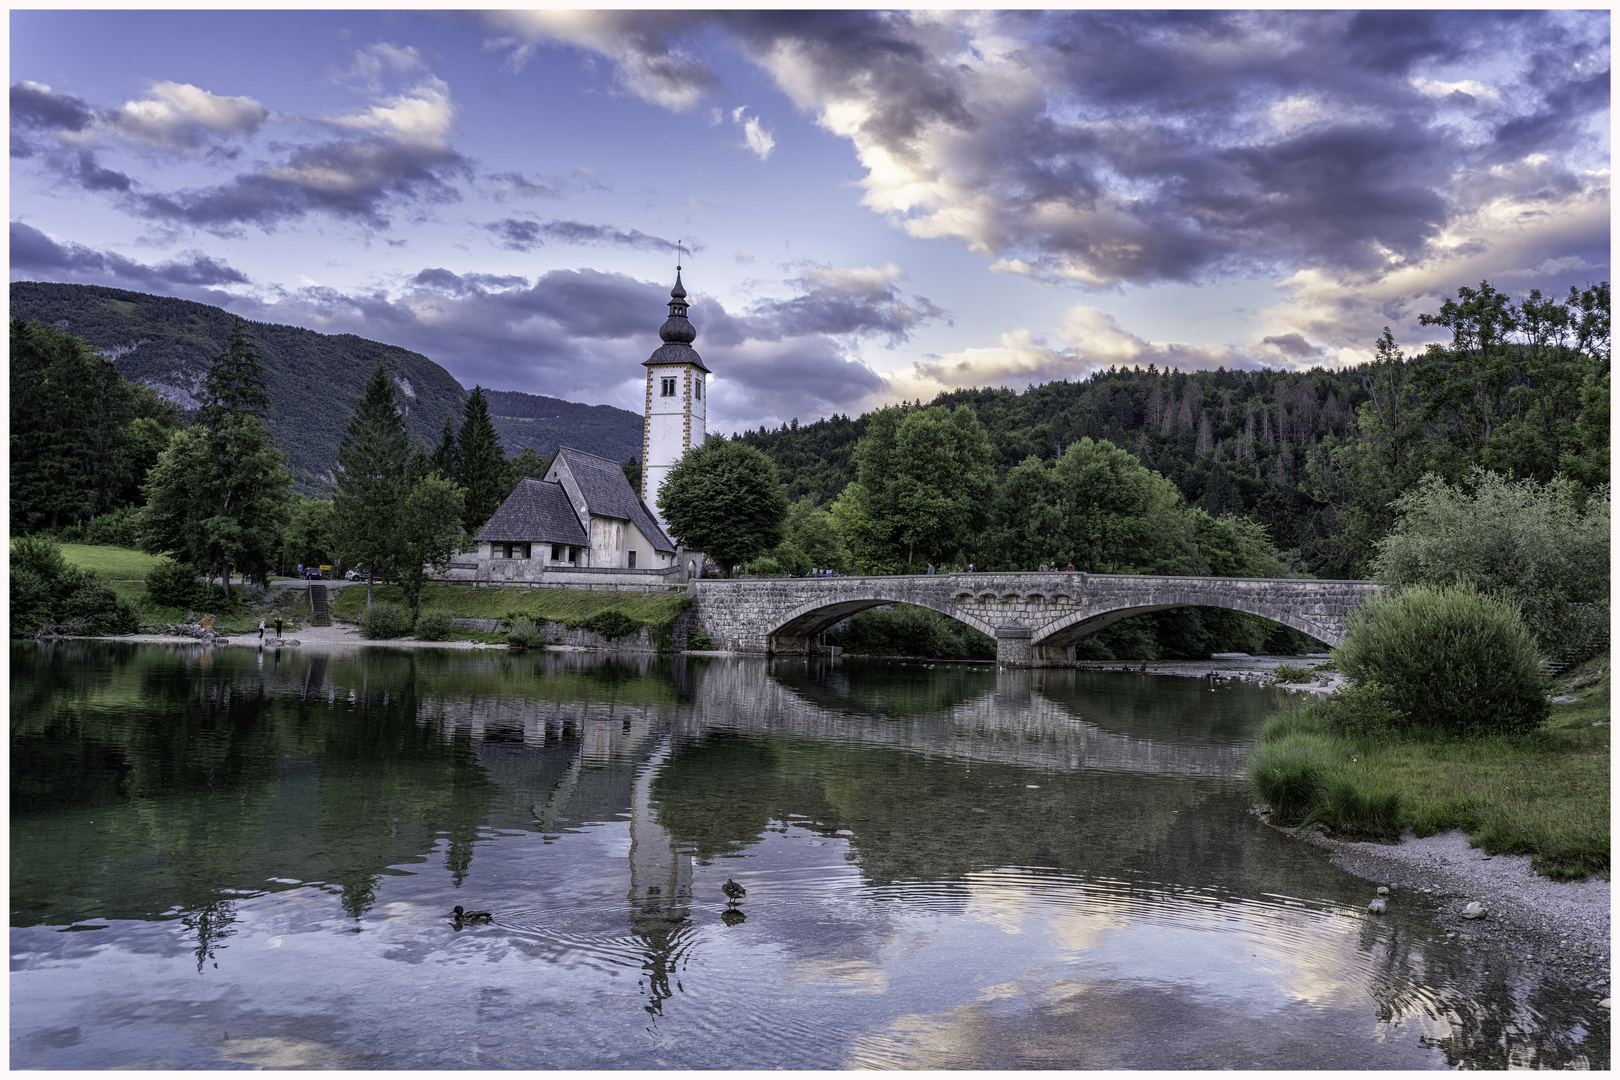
x=812 y=618
x=1069 y=629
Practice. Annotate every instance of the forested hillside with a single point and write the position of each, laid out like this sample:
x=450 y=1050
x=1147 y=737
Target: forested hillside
x=1233 y=442
x=1317 y=457
x=544 y=423
x=313 y=379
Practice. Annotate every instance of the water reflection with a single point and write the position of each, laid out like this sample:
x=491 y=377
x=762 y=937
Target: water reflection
x=946 y=867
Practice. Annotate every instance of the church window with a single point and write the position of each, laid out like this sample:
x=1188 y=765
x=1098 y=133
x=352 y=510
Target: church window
x=557 y=553
x=632 y=560
x=668 y=388
x=697 y=389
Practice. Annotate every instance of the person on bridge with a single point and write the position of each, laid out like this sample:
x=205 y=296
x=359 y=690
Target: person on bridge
x=1070 y=568
x=930 y=569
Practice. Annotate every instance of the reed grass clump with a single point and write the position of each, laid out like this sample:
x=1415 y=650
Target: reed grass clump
x=522 y=633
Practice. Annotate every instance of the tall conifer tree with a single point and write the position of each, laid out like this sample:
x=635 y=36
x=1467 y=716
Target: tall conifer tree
x=234 y=384
x=483 y=474
x=372 y=465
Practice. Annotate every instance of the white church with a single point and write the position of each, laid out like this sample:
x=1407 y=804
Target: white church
x=582 y=521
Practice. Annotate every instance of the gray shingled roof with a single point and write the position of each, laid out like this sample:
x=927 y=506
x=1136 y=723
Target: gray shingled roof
x=608 y=494
x=536 y=511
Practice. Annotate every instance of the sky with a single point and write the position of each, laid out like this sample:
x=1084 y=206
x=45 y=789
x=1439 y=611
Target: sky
x=869 y=206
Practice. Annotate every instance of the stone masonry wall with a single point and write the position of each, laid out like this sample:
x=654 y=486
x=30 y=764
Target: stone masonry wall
x=1036 y=618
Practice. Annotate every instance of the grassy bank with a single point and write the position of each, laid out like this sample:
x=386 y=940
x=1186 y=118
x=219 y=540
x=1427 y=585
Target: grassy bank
x=613 y=614
x=1543 y=793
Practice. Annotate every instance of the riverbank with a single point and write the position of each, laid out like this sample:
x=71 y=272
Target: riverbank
x=1562 y=925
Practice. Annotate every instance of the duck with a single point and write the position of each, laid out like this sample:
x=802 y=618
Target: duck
x=461 y=915
x=734 y=892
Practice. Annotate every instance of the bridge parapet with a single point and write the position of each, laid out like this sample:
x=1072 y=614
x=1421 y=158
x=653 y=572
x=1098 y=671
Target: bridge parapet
x=1036 y=618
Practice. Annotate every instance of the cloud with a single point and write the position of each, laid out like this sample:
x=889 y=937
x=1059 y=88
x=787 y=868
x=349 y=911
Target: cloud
x=755 y=135
x=33 y=105
x=179 y=117
x=32 y=251
x=1089 y=339
x=643 y=46
x=360 y=166
x=516 y=234
x=1104 y=148
x=833 y=301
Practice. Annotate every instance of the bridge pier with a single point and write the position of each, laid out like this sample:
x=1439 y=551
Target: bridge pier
x=789 y=644
x=1012 y=646
x=1015 y=648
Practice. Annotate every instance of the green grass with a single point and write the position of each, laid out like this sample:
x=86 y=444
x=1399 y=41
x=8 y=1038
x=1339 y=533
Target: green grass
x=111 y=563
x=608 y=612
x=1543 y=793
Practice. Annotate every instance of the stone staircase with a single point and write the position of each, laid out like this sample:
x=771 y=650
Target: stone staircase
x=319 y=613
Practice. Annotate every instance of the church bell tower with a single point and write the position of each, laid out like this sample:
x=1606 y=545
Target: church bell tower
x=677 y=394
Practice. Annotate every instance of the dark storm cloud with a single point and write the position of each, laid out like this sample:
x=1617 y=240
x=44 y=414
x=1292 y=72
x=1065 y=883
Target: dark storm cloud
x=32 y=252
x=516 y=234
x=35 y=106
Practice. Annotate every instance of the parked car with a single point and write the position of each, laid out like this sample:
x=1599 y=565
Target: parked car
x=356 y=574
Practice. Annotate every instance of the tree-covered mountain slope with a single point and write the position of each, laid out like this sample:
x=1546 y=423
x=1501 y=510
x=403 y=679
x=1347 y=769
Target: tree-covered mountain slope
x=314 y=379
x=525 y=420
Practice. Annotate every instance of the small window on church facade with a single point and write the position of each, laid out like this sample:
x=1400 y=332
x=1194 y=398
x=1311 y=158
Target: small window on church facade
x=632 y=562
x=697 y=389
x=668 y=389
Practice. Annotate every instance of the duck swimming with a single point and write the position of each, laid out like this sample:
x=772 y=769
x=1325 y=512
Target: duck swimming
x=734 y=892
x=460 y=915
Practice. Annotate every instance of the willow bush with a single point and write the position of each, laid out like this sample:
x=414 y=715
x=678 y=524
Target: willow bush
x=1449 y=658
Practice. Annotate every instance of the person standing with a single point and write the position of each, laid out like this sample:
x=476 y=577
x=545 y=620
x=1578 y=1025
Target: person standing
x=261 y=631
x=278 y=628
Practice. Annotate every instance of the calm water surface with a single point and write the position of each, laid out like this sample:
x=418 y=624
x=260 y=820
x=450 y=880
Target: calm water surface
x=236 y=859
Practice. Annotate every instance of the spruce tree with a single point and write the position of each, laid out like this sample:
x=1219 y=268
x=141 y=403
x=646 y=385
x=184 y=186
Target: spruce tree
x=234 y=384
x=445 y=460
x=373 y=461
x=483 y=474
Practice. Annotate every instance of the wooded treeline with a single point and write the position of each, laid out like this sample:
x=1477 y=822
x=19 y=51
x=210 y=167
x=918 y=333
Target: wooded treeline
x=1315 y=457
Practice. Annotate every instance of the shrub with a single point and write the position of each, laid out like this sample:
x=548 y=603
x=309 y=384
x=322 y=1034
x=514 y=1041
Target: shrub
x=1289 y=773
x=1288 y=673
x=48 y=592
x=434 y=624
x=699 y=641
x=1458 y=661
x=173 y=584
x=521 y=633
x=118 y=528
x=611 y=624
x=385 y=620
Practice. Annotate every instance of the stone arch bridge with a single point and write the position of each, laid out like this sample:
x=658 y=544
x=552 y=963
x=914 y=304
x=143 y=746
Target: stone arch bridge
x=1036 y=618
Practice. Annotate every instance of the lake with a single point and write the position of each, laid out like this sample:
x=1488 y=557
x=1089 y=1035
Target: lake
x=239 y=858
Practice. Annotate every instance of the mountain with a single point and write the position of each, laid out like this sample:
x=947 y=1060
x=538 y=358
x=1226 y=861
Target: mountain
x=314 y=379
x=546 y=422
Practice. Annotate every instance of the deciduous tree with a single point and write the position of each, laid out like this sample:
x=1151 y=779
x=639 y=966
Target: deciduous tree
x=723 y=498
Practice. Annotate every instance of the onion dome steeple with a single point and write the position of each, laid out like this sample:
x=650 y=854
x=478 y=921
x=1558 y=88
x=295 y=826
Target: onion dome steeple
x=677 y=333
